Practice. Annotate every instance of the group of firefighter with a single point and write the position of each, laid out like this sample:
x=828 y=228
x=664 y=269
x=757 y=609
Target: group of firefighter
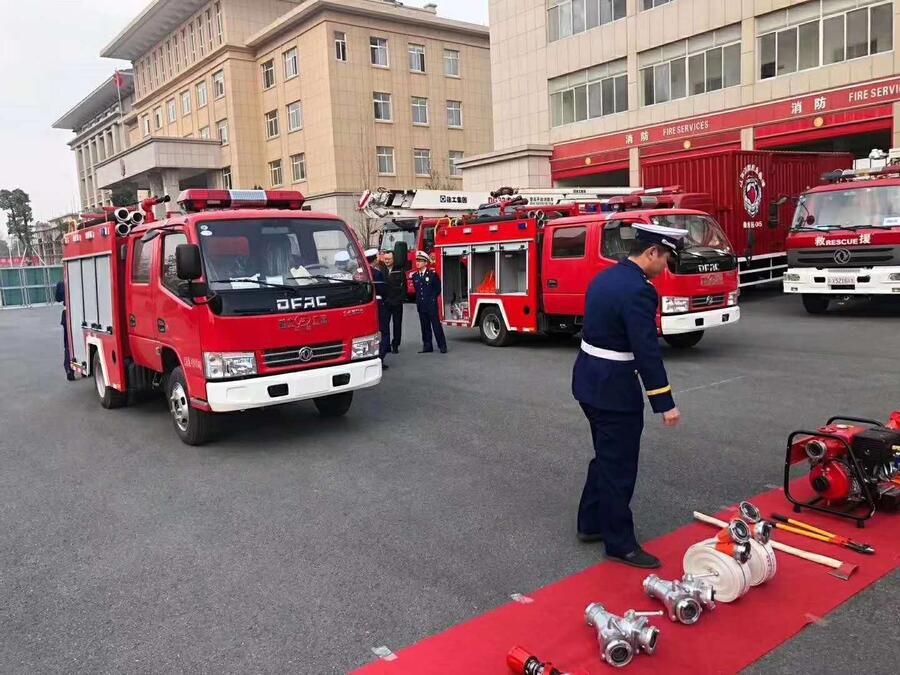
x=389 y=276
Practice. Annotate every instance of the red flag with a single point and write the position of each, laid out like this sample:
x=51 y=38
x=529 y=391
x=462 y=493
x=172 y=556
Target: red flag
x=119 y=80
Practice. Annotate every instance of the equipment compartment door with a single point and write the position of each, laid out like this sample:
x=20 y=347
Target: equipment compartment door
x=567 y=268
x=75 y=311
x=455 y=266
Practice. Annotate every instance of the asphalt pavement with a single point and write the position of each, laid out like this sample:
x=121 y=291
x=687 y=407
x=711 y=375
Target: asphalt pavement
x=293 y=544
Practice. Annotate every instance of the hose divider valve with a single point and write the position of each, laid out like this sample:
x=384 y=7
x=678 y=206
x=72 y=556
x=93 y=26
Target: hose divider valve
x=621 y=637
x=685 y=600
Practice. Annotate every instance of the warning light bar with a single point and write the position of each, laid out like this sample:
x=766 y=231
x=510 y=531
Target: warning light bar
x=202 y=200
x=847 y=175
x=654 y=198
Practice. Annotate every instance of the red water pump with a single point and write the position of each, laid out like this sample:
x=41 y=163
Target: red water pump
x=854 y=466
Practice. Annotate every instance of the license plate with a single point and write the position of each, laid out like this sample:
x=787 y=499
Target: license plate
x=841 y=280
x=712 y=279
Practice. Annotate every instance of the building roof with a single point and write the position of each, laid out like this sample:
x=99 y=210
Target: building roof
x=157 y=20
x=96 y=102
x=395 y=11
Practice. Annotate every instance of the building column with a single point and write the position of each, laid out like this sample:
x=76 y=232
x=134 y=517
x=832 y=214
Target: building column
x=164 y=182
x=634 y=167
x=895 y=138
x=748 y=139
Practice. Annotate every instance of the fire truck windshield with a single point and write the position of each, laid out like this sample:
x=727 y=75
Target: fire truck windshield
x=392 y=237
x=855 y=207
x=703 y=231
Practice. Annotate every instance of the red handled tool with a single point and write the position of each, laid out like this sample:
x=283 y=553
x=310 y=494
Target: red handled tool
x=806 y=530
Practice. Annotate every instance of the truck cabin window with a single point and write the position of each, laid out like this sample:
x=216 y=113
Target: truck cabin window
x=140 y=265
x=169 y=276
x=569 y=242
x=703 y=231
x=266 y=253
x=393 y=236
x=615 y=246
x=858 y=207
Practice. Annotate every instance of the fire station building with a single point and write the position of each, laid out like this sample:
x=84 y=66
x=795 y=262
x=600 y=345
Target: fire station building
x=329 y=97
x=584 y=90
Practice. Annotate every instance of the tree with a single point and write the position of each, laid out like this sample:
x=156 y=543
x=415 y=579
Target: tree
x=436 y=179
x=124 y=196
x=366 y=173
x=17 y=204
x=4 y=249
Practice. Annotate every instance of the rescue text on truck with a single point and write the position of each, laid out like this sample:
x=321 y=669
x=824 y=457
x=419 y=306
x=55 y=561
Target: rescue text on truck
x=845 y=238
x=526 y=269
x=239 y=301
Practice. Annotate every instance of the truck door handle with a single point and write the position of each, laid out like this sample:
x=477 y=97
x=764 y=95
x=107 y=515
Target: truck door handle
x=552 y=283
x=132 y=321
x=161 y=325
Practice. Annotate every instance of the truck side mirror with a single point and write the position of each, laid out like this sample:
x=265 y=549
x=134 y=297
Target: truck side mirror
x=187 y=262
x=774 y=209
x=401 y=254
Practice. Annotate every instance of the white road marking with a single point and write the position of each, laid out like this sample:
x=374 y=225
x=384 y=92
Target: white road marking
x=384 y=653
x=521 y=599
x=711 y=384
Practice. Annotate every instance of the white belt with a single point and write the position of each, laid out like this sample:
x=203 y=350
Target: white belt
x=607 y=354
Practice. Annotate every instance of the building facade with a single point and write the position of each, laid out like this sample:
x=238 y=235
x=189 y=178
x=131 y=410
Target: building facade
x=585 y=90
x=324 y=96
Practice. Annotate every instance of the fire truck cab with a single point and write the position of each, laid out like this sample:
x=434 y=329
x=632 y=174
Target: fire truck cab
x=528 y=271
x=239 y=301
x=845 y=238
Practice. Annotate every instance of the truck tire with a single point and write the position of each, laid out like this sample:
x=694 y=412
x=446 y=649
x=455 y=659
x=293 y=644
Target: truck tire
x=815 y=304
x=494 y=332
x=684 y=340
x=109 y=396
x=335 y=405
x=192 y=426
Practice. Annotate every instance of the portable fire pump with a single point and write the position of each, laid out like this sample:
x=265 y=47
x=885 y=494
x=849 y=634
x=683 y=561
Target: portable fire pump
x=854 y=467
x=516 y=268
x=845 y=237
x=238 y=300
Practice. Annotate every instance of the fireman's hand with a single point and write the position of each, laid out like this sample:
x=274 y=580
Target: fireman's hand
x=672 y=418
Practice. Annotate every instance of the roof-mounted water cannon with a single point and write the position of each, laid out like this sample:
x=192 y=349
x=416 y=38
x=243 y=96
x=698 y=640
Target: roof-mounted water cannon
x=206 y=200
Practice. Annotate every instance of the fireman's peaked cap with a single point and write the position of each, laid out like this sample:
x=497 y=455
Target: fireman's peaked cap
x=671 y=238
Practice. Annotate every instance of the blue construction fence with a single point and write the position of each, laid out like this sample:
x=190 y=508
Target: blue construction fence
x=28 y=286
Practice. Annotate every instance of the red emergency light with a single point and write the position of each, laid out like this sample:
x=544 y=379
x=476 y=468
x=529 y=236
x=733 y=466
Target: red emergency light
x=202 y=200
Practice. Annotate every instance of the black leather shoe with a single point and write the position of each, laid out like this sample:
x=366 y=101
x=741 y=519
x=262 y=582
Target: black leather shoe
x=395 y=350
x=587 y=538
x=70 y=377
x=444 y=350
x=637 y=558
x=385 y=366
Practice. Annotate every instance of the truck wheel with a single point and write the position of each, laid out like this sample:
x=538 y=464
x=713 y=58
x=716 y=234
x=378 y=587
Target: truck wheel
x=335 y=405
x=192 y=426
x=493 y=329
x=109 y=396
x=816 y=304
x=684 y=340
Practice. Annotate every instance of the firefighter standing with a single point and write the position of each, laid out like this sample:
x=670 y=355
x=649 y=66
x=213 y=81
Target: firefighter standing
x=60 y=295
x=394 y=295
x=383 y=319
x=619 y=343
x=428 y=289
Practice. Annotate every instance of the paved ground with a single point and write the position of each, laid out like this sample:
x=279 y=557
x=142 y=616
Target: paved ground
x=296 y=545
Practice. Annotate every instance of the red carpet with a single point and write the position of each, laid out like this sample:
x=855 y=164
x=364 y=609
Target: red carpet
x=725 y=640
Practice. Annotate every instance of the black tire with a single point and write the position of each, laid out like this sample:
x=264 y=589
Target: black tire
x=494 y=332
x=193 y=426
x=684 y=340
x=816 y=304
x=109 y=397
x=335 y=405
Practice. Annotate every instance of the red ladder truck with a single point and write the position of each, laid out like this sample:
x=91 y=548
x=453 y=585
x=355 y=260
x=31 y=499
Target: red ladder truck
x=238 y=301
x=527 y=269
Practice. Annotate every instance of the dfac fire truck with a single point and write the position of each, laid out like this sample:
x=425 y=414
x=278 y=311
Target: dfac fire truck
x=526 y=269
x=241 y=300
x=845 y=238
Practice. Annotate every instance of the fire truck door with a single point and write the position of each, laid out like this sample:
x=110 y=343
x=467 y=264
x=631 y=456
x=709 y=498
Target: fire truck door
x=139 y=303
x=174 y=325
x=567 y=269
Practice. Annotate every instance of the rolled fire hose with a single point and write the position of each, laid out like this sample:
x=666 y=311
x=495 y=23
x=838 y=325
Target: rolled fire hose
x=762 y=563
x=731 y=579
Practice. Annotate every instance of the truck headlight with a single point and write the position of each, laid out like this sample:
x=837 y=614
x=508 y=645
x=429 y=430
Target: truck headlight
x=894 y=277
x=222 y=365
x=733 y=298
x=791 y=277
x=675 y=305
x=365 y=347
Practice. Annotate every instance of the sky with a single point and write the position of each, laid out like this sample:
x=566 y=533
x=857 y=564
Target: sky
x=49 y=61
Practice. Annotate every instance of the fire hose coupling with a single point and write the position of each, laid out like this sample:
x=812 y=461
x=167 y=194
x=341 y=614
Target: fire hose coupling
x=760 y=529
x=621 y=637
x=734 y=540
x=685 y=600
x=522 y=662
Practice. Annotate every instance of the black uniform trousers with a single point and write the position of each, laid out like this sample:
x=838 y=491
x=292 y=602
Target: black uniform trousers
x=391 y=314
x=431 y=323
x=605 y=501
x=67 y=359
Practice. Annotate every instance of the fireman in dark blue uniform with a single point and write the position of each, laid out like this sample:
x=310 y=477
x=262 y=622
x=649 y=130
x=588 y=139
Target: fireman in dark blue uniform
x=619 y=346
x=384 y=319
x=428 y=289
x=60 y=296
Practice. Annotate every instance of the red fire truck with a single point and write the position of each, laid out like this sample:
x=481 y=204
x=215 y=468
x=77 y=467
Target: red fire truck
x=239 y=301
x=845 y=238
x=527 y=269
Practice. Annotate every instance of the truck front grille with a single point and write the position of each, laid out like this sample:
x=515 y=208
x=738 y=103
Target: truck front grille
x=707 y=301
x=301 y=356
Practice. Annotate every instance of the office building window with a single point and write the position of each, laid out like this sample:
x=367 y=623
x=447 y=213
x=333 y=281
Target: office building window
x=168 y=58
x=650 y=4
x=701 y=64
x=201 y=36
x=219 y=84
x=451 y=62
x=226 y=178
x=272 y=124
x=222 y=131
x=268 y=74
x=298 y=167
x=417 y=58
x=157 y=118
x=802 y=37
x=193 y=43
x=185 y=102
x=385 y=157
x=219 y=29
x=295 y=116
x=204 y=133
x=340 y=46
x=172 y=109
x=291 y=64
x=568 y=17
x=209 y=30
x=275 y=175
x=419 y=110
x=455 y=156
x=176 y=54
x=422 y=162
x=454 y=114
x=145 y=125
x=201 y=95
x=378 y=48
x=382 y=106
x=587 y=94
